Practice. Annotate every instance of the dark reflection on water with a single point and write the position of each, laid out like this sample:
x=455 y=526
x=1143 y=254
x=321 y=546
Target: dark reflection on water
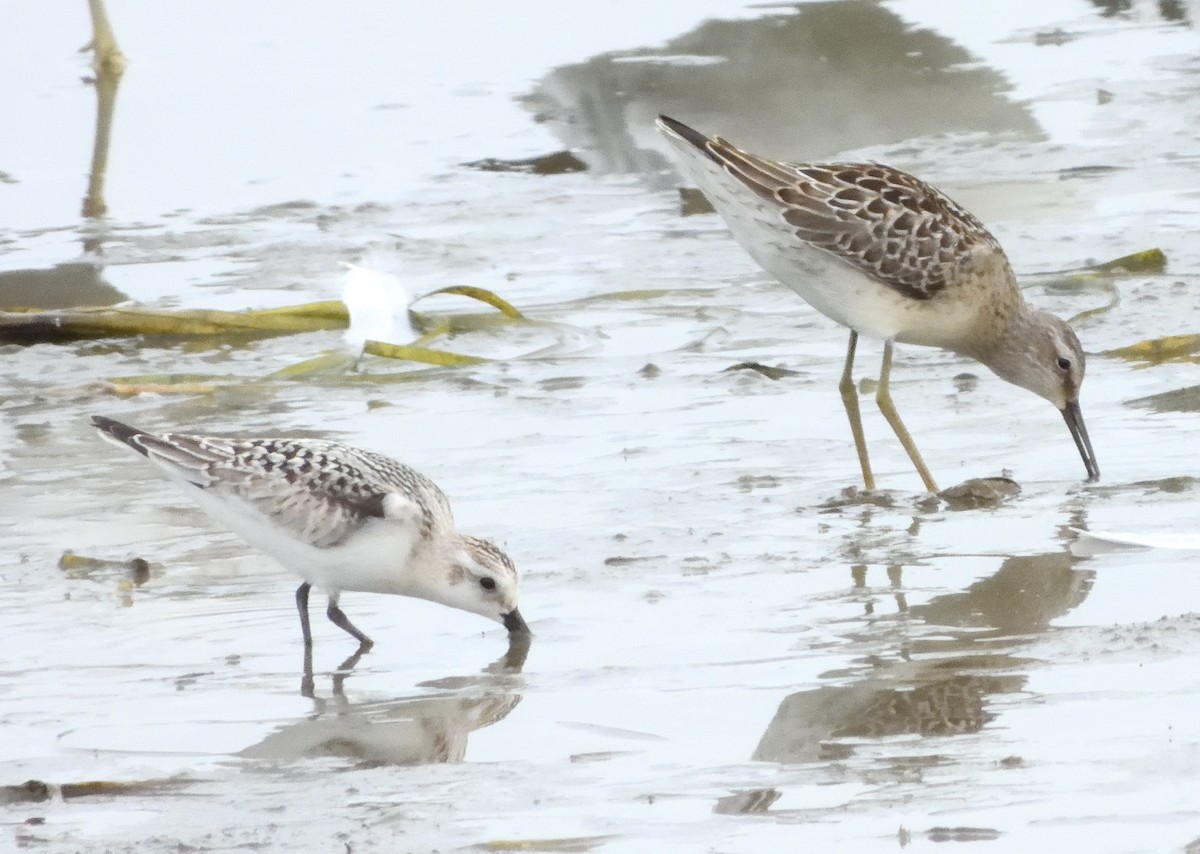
x=747 y=803
x=61 y=286
x=1185 y=399
x=1024 y=595
x=950 y=655
x=1169 y=10
x=804 y=82
x=406 y=731
x=80 y=283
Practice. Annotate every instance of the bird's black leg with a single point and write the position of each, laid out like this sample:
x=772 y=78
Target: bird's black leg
x=302 y=607
x=306 y=681
x=340 y=620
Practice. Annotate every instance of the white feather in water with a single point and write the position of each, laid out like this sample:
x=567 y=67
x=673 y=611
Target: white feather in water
x=378 y=307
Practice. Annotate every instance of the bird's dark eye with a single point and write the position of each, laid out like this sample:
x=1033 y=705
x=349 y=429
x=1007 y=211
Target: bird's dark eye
x=1064 y=363
x=487 y=583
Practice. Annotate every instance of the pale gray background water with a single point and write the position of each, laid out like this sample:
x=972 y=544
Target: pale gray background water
x=721 y=661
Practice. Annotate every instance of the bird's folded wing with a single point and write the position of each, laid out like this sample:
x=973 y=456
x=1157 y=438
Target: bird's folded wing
x=311 y=490
x=323 y=514
x=890 y=225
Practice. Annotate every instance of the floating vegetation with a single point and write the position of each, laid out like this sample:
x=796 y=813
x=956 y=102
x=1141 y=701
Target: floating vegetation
x=37 y=326
x=124 y=388
x=213 y=328
x=410 y=353
x=32 y=326
x=481 y=294
x=129 y=574
x=1156 y=351
x=1140 y=263
x=641 y=294
x=37 y=791
x=334 y=362
x=78 y=566
x=1101 y=276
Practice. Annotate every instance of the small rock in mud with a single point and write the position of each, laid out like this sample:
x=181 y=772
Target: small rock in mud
x=556 y=163
x=980 y=492
x=852 y=496
x=31 y=791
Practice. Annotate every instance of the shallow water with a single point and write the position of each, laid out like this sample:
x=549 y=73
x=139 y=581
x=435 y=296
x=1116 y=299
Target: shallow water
x=727 y=656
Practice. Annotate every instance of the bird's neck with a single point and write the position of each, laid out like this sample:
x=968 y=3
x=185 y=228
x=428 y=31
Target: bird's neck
x=1006 y=347
x=442 y=556
x=999 y=327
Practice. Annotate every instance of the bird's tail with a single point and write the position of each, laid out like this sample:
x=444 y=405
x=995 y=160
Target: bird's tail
x=180 y=455
x=117 y=433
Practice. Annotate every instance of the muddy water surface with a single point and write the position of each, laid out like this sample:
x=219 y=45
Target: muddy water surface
x=728 y=654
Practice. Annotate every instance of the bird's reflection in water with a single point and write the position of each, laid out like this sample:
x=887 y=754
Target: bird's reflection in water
x=930 y=670
x=431 y=728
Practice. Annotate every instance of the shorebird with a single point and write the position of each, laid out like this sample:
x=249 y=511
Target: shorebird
x=342 y=518
x=889 y=256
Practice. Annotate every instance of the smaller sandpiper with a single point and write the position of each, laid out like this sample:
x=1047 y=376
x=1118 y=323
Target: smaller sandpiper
x=341 y=518
x=884 y=253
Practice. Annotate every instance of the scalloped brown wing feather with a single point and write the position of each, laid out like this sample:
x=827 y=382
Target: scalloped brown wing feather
x=885 y=222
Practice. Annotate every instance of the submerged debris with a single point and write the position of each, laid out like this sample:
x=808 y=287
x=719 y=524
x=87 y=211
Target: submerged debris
x=37 y=791
x=556 y=163
x=78 y=566
x=962 y=834
x=771 y=373
x=853 y=496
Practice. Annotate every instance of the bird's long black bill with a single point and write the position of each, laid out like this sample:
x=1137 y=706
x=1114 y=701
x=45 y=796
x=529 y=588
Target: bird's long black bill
x=515 y=623
x=1074 y=418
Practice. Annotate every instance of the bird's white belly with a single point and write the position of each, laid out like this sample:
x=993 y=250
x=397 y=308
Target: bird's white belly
x=873 y=309
x=833 y=286
x=372 y=560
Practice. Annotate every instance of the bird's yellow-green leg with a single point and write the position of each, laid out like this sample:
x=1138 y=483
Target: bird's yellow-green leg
x=850 y=401
x=883 y=397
